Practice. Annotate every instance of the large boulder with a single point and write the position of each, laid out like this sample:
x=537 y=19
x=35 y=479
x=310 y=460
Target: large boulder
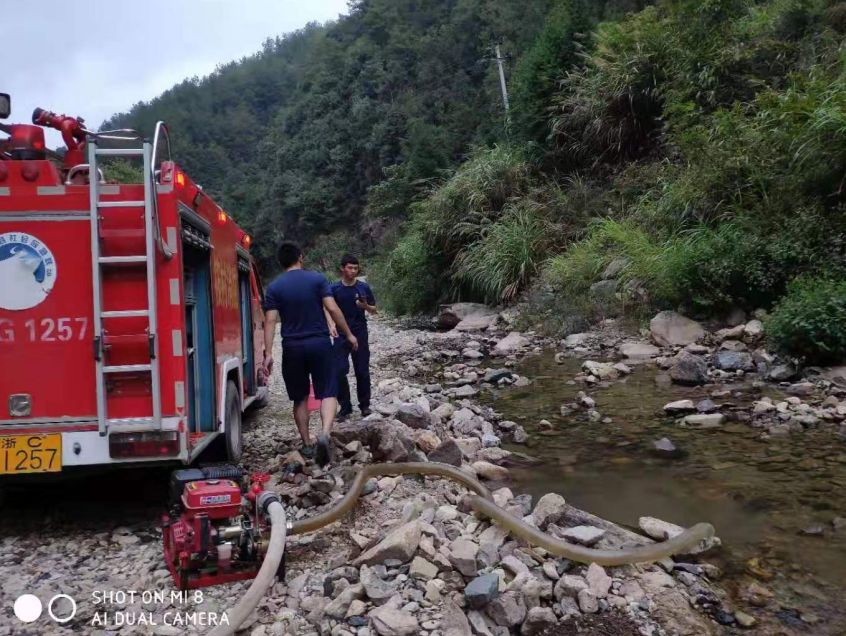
x=670 y=328
x=514 y=341
x=689 y=369
x=451 y=315
x=392 y=442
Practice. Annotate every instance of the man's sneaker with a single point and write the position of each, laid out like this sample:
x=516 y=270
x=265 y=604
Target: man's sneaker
x=366 y=412
x=321 y=456
x=307 y=451
x=343 y=414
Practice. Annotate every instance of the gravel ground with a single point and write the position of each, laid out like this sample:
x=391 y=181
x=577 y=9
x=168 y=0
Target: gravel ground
x=427 y=555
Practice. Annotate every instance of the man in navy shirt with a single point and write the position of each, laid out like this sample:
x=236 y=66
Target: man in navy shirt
x=298 y=298
x=354 y=297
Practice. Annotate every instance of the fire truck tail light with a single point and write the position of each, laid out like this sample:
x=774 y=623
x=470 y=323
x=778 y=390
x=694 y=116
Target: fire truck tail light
x=247 y=240
x=146 y=444
x=222 y=218
x=180 y=179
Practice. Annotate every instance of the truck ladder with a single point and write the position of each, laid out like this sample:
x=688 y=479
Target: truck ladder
x=99 y=209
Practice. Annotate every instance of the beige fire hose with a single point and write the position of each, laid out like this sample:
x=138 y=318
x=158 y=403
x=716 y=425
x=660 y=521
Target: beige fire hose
x=481 y=502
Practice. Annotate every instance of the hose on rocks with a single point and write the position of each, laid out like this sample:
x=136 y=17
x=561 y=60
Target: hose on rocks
x=482 y=502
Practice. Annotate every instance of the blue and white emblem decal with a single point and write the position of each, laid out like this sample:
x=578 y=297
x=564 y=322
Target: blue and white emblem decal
x=27 y=271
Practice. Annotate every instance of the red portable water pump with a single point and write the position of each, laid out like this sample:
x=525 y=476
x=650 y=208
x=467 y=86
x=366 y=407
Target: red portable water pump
x=216 y=530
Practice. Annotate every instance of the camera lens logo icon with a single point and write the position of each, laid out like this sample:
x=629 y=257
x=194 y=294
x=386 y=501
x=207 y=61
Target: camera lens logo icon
x=28 y=608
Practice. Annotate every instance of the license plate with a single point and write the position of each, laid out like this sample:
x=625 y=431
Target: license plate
x=30 y=453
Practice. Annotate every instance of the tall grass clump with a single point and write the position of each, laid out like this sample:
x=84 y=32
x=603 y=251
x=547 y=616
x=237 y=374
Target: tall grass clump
x=508 y=253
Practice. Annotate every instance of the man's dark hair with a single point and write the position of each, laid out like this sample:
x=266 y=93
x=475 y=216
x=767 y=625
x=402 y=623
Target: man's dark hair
x=288 y=254
x=348 y=259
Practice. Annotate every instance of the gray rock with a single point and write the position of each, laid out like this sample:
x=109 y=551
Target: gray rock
x=377 y=589
x=680 y=406
x=706 y=406
x=584 y=535
x=491 y=472
x=514 y=565
x=551 y=570
x=705 y=420
x=665 y=447
x=782 y=372
x=734 y=361
x=414 y=416
x=400 y=543
x=588 y=602
x=422 y=569
x=538 y=620
x=388 y=621
x=454 y=622
x=598 y=581
x=447 y=453
x=465 y=391
x=490 y=541
x=604 y=290
x=669 y=328
x=451 y=315
x=394 y=445
x=339 y=606
x=639 y=350
x=576 y=340
x=663 y=530
x=520 y=436
x=614 y=268
x=569 y=586
x=549 y=509
x=463 y=556
x=801 y=388
x=481 y=590
x=689 y=369
x=495 y=375
x=514 y=341
x=507 y=610
x=481 y=624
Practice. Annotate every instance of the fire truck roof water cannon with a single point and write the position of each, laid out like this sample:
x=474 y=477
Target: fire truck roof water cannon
x=131 y=315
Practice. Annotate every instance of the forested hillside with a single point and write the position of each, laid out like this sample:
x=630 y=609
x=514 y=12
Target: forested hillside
x=683 y=153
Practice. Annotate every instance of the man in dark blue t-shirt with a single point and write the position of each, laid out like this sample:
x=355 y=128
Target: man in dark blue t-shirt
x=355 y=299
x=298 y=298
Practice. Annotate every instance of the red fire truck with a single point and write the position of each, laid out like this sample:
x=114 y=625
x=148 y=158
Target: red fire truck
x=130 y=314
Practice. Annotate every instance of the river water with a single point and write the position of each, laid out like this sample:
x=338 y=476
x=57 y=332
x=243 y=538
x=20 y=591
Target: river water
x=761 y=495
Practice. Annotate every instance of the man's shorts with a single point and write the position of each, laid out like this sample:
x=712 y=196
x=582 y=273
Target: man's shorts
x=309 y=358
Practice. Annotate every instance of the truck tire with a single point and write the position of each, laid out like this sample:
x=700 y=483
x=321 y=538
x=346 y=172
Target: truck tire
x=232 y=431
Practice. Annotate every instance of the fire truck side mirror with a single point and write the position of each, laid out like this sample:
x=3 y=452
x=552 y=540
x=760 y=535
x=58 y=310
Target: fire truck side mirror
x=5 y=105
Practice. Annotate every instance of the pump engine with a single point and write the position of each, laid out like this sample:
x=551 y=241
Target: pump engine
x=215 y=532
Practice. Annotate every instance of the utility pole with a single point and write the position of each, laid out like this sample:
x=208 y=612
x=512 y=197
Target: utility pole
x=499 y=61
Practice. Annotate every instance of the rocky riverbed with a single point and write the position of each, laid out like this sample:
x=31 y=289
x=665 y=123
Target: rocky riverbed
x=412 y=558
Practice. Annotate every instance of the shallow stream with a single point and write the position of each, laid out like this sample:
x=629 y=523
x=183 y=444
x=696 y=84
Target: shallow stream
x=761 y=495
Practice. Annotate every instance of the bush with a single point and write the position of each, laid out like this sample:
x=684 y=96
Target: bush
x=410 y=278
x=810 y=321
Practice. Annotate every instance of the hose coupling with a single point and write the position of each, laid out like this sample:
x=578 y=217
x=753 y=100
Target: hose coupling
x=265 y=498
